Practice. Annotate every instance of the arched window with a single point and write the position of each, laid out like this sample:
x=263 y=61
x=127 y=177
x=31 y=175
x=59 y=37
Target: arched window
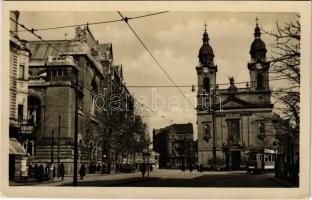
x=259 y=81
x=206 y=84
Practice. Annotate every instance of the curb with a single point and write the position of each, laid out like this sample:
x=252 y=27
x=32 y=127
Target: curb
x=33 y=183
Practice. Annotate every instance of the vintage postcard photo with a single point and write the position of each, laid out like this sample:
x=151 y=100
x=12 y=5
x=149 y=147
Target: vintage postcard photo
x=195 y=100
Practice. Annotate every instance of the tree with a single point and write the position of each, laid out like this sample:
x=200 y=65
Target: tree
x=285 y=64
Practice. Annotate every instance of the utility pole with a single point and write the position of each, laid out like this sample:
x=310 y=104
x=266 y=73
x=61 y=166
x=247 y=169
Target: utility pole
x=58 y=141
x=52 y=147
x=213 y=131
x=77 y=88
x=214 y=141
x=76 y=135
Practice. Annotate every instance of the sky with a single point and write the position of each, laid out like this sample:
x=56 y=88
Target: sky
x=174 y=38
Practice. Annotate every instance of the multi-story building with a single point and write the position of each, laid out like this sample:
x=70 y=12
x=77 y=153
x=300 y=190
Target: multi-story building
x=175 y=145
x=59 y=71
x=20 y=143
x=234 y=120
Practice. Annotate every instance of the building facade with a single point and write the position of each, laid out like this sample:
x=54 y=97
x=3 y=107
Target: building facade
x=233 y=121
x=84 y=68
x=19 y=129
x=175 y=145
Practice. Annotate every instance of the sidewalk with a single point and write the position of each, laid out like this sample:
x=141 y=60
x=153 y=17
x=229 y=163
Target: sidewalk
x=13 y=183
x=55 y=181
x=104 y=179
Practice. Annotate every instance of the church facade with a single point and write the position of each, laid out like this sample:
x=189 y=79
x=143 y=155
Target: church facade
x=233 y=121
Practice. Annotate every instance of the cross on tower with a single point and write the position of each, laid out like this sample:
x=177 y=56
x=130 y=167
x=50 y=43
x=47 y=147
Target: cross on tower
x=205 y=26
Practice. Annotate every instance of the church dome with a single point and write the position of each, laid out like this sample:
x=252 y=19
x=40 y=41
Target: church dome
x=205 y=54
x=257 y=45
x=204 y=50
x=257 y=48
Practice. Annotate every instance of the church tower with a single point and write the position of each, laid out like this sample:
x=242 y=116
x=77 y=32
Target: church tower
x=258 y=66
x=233 y=121
x=206 y=70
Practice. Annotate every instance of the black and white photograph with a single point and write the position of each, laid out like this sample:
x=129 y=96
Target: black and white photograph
x=156 y=98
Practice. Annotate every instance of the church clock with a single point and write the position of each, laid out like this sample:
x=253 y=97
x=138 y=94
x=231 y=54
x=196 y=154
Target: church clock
x=205 y=70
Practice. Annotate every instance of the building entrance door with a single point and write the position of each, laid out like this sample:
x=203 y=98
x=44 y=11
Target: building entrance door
x=235 y=160
x=11 y=167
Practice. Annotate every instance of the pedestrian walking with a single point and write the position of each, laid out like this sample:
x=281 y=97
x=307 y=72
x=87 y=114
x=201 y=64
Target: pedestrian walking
x=103 y=169
x=62 y=170
x=201 y=168
x=90 y=169
x=151 y=168
x=46 y=172
x=36 y=171
x=54 y=174
x=40 y=173
x=143 y=169
x=183 y=167
x=191 y=167
x=98 y=168
x=30 y=172
x=82 y=171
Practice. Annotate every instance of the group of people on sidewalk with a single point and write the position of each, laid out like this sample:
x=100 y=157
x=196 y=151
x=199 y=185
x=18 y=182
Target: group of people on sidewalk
x=49 y=172
x=190 y=167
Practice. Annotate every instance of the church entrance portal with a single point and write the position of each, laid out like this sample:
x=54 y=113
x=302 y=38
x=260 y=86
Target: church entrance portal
x=235 y=160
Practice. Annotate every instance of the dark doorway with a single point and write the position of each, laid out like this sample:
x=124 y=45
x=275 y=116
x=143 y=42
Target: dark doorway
x=235 y=158
x=11 y=167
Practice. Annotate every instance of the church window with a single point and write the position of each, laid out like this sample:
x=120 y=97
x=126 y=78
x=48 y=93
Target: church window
x=206 y=84
x=206 y=134
x=234 y=130
x=259 y=81
x=261 y=128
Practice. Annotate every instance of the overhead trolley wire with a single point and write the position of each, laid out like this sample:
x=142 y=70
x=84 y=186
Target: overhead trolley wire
x=94 y=23
x=40 y=38
x=161 y=67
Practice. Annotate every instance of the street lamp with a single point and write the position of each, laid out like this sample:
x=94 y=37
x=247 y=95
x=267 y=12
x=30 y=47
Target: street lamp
x=146 y=155
x=52 y=148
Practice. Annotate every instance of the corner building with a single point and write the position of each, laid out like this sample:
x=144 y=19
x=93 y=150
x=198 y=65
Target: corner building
x=234 y=120
x=51 y=101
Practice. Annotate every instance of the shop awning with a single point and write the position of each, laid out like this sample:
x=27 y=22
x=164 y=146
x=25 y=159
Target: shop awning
x=16 y=148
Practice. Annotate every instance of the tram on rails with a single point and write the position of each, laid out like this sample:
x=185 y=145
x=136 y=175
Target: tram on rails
x=260 y=160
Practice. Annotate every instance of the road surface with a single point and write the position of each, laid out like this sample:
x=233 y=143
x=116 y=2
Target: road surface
x=176 y=178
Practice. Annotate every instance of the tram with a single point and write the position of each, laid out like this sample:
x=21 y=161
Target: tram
x=260 y=160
